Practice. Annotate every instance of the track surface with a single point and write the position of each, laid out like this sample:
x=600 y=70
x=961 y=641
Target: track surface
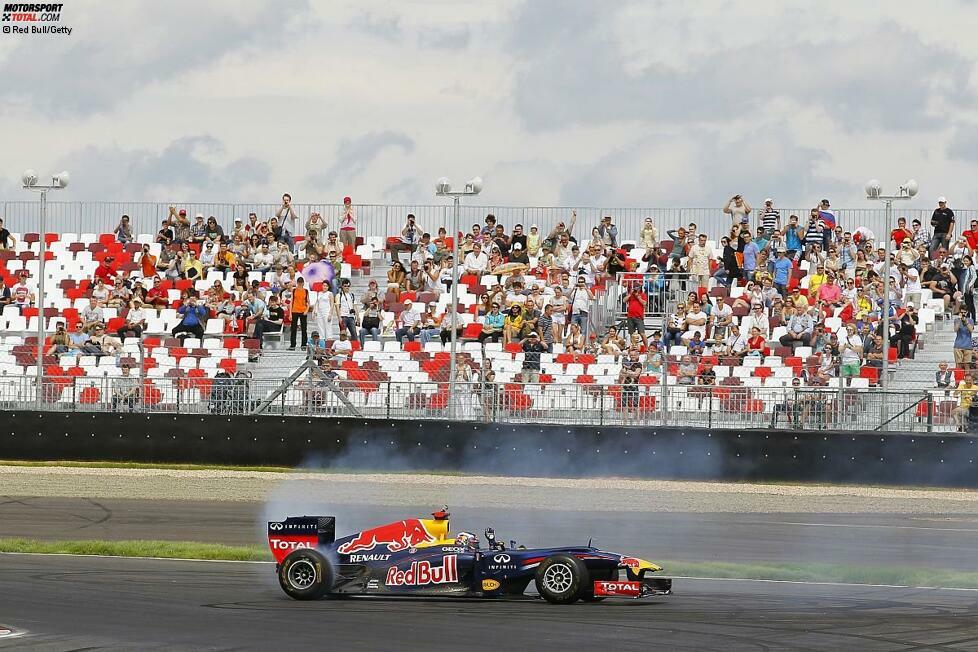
x=929 y=540
x=71 y=603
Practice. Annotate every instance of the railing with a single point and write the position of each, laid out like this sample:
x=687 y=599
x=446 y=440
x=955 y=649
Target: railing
x=645 y=406
x=386 y=220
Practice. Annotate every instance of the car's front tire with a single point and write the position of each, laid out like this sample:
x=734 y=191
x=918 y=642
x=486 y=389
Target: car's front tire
x=560 y=579
x=305 y=574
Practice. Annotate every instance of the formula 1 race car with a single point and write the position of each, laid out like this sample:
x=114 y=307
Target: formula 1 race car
x=419 y=557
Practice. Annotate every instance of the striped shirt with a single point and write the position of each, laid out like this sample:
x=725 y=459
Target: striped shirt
x=770 y=219
x=813 y=235
x=545 y=325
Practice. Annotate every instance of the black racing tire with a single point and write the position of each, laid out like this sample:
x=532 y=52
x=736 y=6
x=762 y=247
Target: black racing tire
x=587 y=593
x=560 y=579
x=305 y=574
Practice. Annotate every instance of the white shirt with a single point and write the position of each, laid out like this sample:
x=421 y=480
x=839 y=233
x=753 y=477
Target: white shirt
x=721 y=313
x=478 y=263
x=325 y=305
x=409 y=318
x=207 y=256
x=696 y=316
x=263 y=260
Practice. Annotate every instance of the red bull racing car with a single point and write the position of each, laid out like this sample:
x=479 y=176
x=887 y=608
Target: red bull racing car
x=420 y=557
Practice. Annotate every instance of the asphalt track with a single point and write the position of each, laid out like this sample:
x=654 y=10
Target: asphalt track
x=882 y=539
x=74 y=603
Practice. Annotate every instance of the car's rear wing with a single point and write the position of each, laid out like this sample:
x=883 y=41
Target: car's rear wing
x=300 y=532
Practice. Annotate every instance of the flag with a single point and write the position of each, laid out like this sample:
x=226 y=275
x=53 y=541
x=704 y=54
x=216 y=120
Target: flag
x=828 y=219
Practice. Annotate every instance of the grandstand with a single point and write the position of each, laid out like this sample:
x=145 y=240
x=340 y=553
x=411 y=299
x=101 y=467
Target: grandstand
x=587 y=381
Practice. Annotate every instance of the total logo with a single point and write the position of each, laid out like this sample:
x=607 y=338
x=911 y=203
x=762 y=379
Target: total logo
x=422 y=573
x=286 y=544
x=359 y=558
x=630 y=589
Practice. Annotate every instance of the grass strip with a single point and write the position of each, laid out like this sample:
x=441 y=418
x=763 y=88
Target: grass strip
x=798 y=572
x=139 y=548
x=208 y=467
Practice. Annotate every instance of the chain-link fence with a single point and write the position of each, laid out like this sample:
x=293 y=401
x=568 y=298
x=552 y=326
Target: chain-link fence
x=639 y=405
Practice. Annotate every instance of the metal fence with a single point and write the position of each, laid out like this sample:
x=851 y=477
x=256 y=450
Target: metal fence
x=376 y=220
x=645 y=406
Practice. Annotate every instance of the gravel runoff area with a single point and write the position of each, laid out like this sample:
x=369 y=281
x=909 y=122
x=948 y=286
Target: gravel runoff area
x=610 y=494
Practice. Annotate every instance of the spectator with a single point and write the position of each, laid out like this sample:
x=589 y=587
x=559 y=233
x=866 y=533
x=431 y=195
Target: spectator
x=800 y=328
x=298 y=308
x=608 y=232
x=700 y=256
x=332 y=246
x=648 y=236
x=342 y=347
x=103 y=344
x=60 y=342
x=135 y=322
x=476 y=262
x=943 y=377
x=738 y=209
x=696 y=321
x=907 y=330
x=92 y=315
x=921 y=236
x=213 y=231
x=631 y=371
x=106 y=271
x=964 y=327
x=123 y=230
x=943 y=223
x=513 y=324
x=532 y=348
x=193 y=320
x=279 y=225
x=410 y=323
x=770 y=218
x=756 y=319
x=125 y=391
x=271 y=322
x=417 y=279
x=580 y=300
x=756 y=343
x=370 y=322
x=782 y=272
x=5 y=298
x=561 y=233
x=519 y=255
x=396 y=280
x=207 y=256
x=688 y=370
x=7 y=241
x=263 y=260
x=533 y=240
x=348 y=310
x=965 y=394
x=729 y=272
x=348 y=223
x=198 y=231
x=431 y=324
x=850 y=354
x=749 y=253
x=492 y=325
x=410 y=236
x=446 y=326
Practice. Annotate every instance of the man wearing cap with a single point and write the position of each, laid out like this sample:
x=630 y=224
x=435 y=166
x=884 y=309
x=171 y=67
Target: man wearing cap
x=106 y=271
x=181 y=225
x=608 y=232
x=348 y=223
x=519 y=255
x=430 y=324
x=943 y=223
x=410 y=323
x=738 y=209
x=770 y=217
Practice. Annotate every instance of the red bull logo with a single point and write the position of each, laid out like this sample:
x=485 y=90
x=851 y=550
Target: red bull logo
x=396 y=536
x=631 y=562
x=422 y=573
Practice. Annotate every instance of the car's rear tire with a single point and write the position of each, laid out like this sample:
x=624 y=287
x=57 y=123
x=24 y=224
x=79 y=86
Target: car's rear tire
x=305 y=574
x=560 y=579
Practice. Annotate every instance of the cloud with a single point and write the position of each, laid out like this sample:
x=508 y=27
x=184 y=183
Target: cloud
x=190 y=167
x=671 y=171
x=964 y=142
x=405 y=191
x=446 y=39
x=572 y=70
x=353 y=155
x=118 y=49
x=384 y=27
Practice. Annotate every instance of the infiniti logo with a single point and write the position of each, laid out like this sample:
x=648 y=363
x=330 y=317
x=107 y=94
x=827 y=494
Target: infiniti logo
x=501 y=559
x=275 y=526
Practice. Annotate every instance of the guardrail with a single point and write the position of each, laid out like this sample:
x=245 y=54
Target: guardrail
x=645 y=406
x=382 y=220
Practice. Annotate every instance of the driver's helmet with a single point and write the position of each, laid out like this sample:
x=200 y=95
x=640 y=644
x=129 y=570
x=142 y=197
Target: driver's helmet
x=467 y=540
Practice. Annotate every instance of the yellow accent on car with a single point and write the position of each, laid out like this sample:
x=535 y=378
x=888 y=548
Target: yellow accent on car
x=490 y=585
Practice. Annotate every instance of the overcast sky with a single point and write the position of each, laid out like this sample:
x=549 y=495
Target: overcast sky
x=553 y=102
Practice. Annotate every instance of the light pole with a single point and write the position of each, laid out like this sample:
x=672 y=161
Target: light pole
x=58 y=182
x=874 y=192
x=444 y=189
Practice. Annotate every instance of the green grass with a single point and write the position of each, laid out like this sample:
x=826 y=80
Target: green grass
x=807 y=572
x=206 y=467
x=139 y=548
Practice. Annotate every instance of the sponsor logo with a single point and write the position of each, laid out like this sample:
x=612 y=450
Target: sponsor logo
x=396 y=536
x=33 y=18
x=279 y=527
x=631 y=562
x=276 y=526
x=502 y=559
x=373 y=584
x=422 y=573
x=287 y=544
x=490 y=585
x=629 y=589
x=452 y=549
x=375 y=557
